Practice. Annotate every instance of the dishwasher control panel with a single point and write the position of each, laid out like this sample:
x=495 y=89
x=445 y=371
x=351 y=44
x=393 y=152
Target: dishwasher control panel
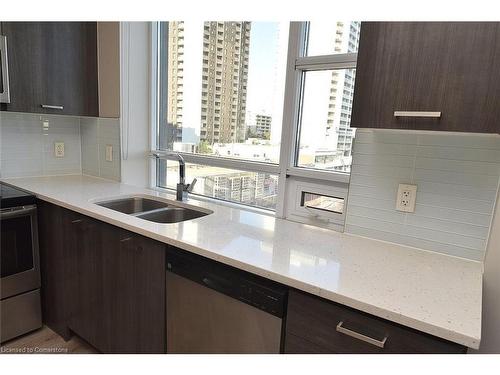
x=251 y=289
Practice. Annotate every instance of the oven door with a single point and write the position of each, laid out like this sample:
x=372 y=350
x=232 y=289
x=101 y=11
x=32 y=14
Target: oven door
x=19 y=257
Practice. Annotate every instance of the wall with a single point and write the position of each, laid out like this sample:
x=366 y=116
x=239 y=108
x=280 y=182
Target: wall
x=490 y=341
x=26 y=149
x=135 y=39
x=96 y=134
x=457 y=177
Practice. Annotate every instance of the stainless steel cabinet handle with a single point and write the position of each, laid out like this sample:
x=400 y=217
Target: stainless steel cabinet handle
x=4 y=68
x=125 y=239
x=417 y=114
x=9 y=213
x=76 y=221
x=359 y=336
x=47 y=106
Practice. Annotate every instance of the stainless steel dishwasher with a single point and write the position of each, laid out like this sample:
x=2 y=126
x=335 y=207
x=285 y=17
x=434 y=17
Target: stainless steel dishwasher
x=214 y=308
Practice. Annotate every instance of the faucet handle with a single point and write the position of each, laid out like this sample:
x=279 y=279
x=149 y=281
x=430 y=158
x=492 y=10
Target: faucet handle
x=190 y=186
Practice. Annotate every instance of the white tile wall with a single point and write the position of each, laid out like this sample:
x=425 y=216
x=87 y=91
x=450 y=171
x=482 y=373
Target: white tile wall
x=96 y=134
x=28 y=150
x=457 y=177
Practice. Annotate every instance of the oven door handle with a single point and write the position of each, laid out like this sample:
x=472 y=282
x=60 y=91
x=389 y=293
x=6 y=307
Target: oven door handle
x=17 y=212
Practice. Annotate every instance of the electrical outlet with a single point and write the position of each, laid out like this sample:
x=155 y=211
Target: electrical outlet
x=59 y=149
x=407 y=196
x=109 y=153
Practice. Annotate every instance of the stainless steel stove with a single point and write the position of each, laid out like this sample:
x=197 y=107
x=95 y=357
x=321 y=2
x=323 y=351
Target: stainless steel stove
x=20 y=308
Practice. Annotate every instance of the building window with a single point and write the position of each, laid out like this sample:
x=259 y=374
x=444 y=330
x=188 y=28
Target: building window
x=231 y=129
x=325 y=135
x=258 y=189
x=232 y=142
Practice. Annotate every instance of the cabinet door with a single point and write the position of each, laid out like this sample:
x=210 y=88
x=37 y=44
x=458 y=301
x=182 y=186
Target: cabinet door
x=69 y=68
x=24 y=47
x=52 y=67
x=447 y=67
x=54 y=269
x=134 y=292
x=315 y=325
x=83 y=241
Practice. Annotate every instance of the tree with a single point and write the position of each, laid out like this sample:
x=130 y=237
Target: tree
x=251 y=133
x=204 y=147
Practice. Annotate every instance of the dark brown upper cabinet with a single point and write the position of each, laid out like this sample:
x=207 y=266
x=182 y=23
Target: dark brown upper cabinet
x=54 y=68
x=448 y=68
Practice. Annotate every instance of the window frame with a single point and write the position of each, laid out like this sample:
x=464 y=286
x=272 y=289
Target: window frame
x=298 y=63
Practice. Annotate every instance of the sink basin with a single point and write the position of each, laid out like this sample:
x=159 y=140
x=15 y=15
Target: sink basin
x=153 y=210
x=133 y=205
x=171 y=215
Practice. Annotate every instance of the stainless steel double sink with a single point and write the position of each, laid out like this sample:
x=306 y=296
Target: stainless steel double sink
x=154 y=210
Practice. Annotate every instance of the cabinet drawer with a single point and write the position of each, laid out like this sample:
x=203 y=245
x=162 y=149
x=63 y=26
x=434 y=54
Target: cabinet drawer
x=338 y=329
x=298 y=345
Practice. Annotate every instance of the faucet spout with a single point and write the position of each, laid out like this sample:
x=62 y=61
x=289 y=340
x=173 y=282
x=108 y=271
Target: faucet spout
x=182 y=187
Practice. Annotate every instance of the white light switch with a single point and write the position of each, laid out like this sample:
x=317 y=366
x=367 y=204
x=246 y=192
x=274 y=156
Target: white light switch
x=59 y=149
x=407 y=196
x=109 y=152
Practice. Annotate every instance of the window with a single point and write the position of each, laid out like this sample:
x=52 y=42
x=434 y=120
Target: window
x=256 y=89
x=325 y=139
x=259 y=189
x=325 y=136
x=326 y=38
x=322 y=202
x=246 y=136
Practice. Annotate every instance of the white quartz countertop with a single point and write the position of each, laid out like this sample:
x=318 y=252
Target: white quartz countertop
x=434 y=293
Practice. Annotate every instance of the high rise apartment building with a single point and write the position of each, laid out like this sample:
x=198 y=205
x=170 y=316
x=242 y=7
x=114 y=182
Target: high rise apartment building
x=342 y=91
x=226 y=47
x=252 y=188
x=263 y=125
x=175 y=84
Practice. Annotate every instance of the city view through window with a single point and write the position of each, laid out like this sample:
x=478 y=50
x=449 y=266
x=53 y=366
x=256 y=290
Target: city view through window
x=225 y=92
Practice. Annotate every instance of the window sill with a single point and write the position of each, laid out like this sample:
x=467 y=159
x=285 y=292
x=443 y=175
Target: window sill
x=316 y=174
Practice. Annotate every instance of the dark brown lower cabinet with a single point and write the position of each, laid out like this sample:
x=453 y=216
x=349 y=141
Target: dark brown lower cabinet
x=103 y=283
x=83 y=238
x=108 y=286
x=134 y=292
x=315 y=325
x=56 y=287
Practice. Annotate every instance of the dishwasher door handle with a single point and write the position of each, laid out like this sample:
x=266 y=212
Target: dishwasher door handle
x=216 y=283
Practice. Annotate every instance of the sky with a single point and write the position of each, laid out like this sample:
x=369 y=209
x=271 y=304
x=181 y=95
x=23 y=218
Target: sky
x=263 y=59
x=267 y=72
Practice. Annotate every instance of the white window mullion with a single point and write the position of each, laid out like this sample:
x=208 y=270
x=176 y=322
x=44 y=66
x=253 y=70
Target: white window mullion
x=318 y=174
x=154 y=100
x=328 y=62
x=296 y=49
x=217 y=161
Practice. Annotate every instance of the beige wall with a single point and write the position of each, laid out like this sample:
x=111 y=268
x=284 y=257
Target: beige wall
x=490 y=342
